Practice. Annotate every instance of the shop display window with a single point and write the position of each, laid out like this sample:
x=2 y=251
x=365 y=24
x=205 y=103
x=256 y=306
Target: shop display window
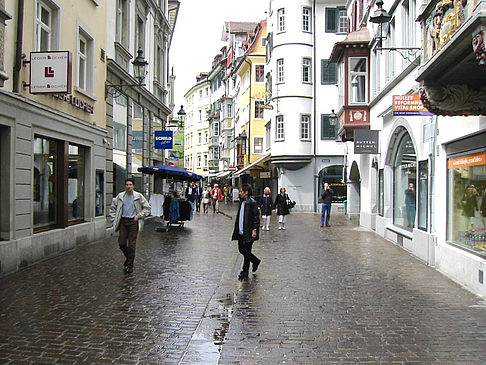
x=423 y=195
x=76 y=173
x=467 y=201
x=100 y=193
x=404 y=184
x=381 y=193
x=45 y=178
x=334 y=175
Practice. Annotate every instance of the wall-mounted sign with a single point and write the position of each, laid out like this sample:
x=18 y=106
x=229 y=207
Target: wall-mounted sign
x=50 y=72
x=164 y=140
x=366 y=141
x=74 y=101
x=409 y=105
x=467 y=161
x=265 y=175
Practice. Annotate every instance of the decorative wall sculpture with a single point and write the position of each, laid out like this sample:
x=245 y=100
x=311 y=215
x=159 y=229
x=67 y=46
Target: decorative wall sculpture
x=454 y=100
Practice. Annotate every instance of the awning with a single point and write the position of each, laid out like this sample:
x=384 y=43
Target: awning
x=167 y=171
x=252 y=165
x=223 y=174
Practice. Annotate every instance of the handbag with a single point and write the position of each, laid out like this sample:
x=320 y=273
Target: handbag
x=290 y=204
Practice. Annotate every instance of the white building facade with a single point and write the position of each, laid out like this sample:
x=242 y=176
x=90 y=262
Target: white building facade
x=303 y=93
x=196 y=127
x=424 y=186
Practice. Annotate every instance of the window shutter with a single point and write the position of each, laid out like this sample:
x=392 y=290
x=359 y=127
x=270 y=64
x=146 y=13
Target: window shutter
x=331 y=20
x=327 y=131
x=329 y=73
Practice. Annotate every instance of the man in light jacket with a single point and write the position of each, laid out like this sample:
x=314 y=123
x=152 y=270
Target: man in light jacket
x=127 y=213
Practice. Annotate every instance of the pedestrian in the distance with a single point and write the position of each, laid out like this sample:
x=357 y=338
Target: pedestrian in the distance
x=245 y=231
x=127 y=212
x=205 y=199
x=281 y=204
x=190 y=192
x=266 y=205
x=326 y=196
x=216 y=197
x=198 y=197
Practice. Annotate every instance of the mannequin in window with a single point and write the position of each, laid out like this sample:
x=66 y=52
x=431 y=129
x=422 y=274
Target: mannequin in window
x=410 y=196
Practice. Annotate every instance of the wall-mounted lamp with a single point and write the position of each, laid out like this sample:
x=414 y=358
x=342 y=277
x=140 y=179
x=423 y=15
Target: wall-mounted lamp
x=333 y=118
x=381 y=18
x=139 y=71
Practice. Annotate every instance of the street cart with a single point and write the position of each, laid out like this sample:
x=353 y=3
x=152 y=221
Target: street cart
x=175 y=210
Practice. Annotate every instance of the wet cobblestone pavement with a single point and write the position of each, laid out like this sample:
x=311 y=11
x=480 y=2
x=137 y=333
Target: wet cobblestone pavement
x=321 y=296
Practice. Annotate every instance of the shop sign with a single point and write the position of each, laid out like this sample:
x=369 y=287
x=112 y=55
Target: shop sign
x=76 y=102
x=265 y=175
x=467 y=161
x=366 y=141
x=164 y=140
x=50 y=72
x=409 y=105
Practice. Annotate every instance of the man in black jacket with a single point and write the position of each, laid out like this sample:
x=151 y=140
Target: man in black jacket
x=246 y=228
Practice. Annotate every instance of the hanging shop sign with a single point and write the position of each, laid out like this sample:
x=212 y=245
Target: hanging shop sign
x=366 y=141
x=164 y=140
x=265 y=175
x=50 y=72
x=409 y=105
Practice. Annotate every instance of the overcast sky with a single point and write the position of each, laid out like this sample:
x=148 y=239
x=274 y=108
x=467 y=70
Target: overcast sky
x=197 y=36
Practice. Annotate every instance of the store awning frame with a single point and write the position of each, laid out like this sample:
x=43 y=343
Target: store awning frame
x=252 y=165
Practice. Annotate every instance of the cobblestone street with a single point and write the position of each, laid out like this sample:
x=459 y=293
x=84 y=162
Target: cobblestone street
x=320 y=296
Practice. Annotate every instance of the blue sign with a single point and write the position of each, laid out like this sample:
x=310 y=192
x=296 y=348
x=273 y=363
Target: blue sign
x=164 y=140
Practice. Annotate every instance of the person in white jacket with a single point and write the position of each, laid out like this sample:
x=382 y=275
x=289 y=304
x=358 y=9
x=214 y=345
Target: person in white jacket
x=127 y=212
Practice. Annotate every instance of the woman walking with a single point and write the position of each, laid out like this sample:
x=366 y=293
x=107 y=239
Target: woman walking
x=281 y=204
x=266 y=204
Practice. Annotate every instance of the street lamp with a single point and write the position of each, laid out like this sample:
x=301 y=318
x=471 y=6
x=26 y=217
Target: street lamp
x=182 y=115
x=381 y=17
x=333 y=118
x=139 y=71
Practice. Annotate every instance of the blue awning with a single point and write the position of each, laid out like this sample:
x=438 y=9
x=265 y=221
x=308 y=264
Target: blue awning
x=168 y=171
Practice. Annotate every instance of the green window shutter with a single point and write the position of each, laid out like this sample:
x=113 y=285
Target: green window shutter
x=329 y=73
x=331 y=20
x=327 y=131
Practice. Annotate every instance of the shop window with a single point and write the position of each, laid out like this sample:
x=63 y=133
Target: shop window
x=76 y=172
x=466 y=203
x=137 y=137
x=381 y=193
x=334 y=176
x=423 y=195
x=100 y=193
x=404 y=180
x=45 y=179
x=58 y=189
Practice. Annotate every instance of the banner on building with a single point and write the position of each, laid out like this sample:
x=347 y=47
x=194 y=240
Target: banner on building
x=50 y=72
x=467 y=161
x=366 y=141
x=409 y=105
x=164 y=140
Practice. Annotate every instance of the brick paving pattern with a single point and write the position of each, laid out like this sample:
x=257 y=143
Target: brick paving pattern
x=321 y=296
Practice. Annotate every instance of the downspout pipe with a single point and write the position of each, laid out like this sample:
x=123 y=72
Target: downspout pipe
x=18 y=46
x=314 y=105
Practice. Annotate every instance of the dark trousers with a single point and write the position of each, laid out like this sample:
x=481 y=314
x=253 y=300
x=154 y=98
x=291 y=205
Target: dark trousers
x=198 y=204
x=245 y=250
x=128 y=238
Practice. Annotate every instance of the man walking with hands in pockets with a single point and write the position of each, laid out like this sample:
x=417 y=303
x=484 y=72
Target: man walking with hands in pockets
x=246 y=228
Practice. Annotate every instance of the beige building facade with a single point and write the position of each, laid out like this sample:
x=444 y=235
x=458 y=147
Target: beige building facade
x=53 y=144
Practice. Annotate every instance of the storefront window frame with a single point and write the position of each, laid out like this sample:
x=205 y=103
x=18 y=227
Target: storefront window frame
x=449 y=224
x=423 y=199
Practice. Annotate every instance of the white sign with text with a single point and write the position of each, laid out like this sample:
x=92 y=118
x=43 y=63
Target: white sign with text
x=50 y=72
